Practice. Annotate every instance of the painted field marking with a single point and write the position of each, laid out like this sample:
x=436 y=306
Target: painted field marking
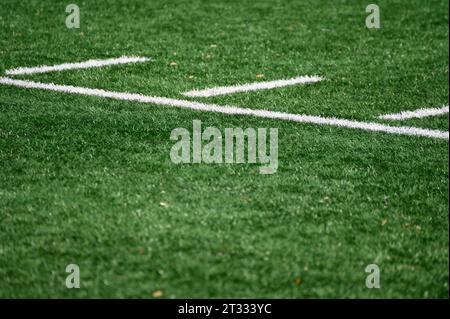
x=79 y=65
x=222 y=90
x=207 y=107
x=420 y=113
x=229 y=109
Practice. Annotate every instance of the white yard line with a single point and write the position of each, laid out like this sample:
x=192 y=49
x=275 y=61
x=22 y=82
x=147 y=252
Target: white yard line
x=415 y=114
x=228 y=109
x=79 y=65
x=252 y=86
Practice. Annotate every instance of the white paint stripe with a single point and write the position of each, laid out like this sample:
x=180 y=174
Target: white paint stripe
x=415 y=114
x=79 y=65
x=228 y=109
x=252 y=86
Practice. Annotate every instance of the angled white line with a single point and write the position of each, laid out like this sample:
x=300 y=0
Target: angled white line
x=78 y=65
x=228 y=109
x=252 y=86
x=415 y=114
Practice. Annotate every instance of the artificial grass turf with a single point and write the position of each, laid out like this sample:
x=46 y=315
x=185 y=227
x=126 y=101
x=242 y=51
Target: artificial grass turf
x=89 y=181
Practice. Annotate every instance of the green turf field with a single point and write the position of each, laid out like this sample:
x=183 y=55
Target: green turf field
x=89 y=181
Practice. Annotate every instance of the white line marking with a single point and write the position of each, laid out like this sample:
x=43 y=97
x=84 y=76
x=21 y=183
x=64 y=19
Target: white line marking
x=252 y=86
x=415 y=114
x=79 y=65
x=228 y=109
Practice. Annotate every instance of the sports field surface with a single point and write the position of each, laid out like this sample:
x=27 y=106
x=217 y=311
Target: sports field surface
x=86 y=176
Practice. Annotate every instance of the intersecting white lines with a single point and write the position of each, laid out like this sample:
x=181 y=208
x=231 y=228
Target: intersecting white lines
x=228 y=109
x=224 y=109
